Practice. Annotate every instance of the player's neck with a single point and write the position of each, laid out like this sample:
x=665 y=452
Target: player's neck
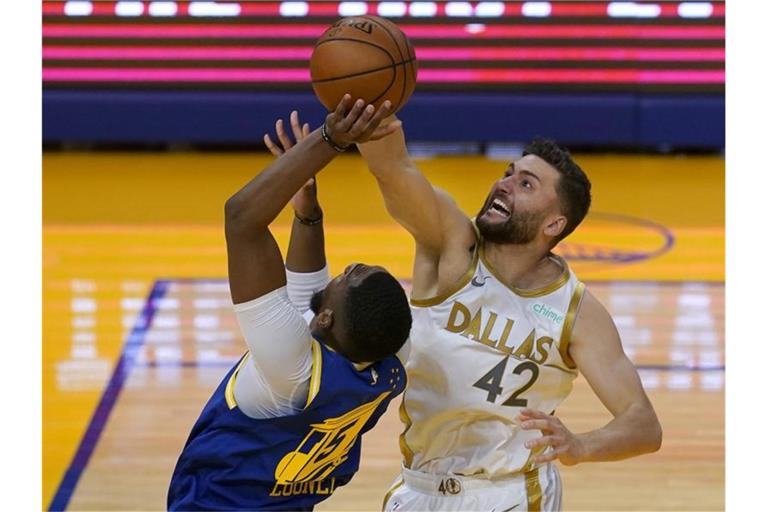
x=522 y=266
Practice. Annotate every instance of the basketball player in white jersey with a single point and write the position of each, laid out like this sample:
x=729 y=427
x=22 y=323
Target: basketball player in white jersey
x=501 y=328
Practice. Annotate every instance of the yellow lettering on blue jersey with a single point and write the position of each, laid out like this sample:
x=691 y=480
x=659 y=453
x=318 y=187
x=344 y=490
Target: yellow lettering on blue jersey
x=320 y=487
x=325 y=447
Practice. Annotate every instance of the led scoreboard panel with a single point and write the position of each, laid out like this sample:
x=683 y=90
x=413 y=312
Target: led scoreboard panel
x=670 y=47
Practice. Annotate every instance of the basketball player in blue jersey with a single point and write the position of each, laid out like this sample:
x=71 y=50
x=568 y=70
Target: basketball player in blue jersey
x=501 y=328
x=282 y=430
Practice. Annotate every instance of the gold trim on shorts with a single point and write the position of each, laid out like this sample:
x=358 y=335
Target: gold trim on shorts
x=533 y=490
x=391 y=491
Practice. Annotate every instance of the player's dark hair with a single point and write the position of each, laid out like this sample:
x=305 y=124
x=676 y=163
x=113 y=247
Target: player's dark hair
x=573 y=188
x=378 y=318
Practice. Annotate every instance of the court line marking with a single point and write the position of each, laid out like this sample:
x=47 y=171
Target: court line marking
x=601 y=253
x=109 y=396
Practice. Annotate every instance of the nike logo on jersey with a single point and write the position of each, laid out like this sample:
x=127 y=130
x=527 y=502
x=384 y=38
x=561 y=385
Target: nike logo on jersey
x=374 y=377
x=477 y=282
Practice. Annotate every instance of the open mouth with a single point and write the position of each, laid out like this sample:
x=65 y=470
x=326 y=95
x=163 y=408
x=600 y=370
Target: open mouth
x=499 y=208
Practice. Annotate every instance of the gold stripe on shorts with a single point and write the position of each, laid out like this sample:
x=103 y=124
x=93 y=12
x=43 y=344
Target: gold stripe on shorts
x=533 y=490
x=390 y=492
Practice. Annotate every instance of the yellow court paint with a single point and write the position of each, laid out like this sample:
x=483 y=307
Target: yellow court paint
x=116 y=222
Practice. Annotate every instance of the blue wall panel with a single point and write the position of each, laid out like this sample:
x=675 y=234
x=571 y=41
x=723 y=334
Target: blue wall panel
x=603 y=120
x=681 y=121
x=570 y=119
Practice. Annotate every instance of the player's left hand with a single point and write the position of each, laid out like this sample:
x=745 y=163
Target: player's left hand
x=299 y=132
x=304 y=202
x=566 y=446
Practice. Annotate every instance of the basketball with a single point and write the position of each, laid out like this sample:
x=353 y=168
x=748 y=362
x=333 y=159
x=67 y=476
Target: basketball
x=366 y=56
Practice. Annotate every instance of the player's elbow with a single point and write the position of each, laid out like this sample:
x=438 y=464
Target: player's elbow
x=233 y=209
x=656 y=436
x=652 y=430
x=647 y=432
x=237 y=219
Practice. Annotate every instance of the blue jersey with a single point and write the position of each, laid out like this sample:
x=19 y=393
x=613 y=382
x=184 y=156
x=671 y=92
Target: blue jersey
x=235 y=462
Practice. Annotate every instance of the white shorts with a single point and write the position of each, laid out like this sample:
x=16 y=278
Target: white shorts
x=539 y=489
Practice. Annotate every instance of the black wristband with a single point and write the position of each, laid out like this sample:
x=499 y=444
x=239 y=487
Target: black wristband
x=327 y=139
x=309 y=222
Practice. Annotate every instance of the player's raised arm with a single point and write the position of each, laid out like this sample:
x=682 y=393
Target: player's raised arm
x=306 y=250
x=305 y=264
x=431 y=216
x=255 y=263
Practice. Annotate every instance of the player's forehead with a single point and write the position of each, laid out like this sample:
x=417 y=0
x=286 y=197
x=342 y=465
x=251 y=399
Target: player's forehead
x=535 y=165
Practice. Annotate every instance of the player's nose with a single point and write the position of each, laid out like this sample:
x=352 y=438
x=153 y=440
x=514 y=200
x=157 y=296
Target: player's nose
x=505 y=185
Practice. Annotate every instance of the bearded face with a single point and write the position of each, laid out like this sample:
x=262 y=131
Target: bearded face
x=501 y=223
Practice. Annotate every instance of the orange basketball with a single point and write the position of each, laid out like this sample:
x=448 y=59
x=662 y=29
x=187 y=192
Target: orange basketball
x=366 y=56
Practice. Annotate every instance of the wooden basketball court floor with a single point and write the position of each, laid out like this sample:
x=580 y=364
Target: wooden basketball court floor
x=138 y=328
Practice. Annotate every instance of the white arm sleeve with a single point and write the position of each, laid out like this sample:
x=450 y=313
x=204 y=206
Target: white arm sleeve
x=302 y=285
x=275 y=380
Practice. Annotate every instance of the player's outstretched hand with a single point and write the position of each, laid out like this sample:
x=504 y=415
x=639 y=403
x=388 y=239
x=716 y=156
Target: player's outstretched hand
x=565 y=445
x=360 y=123
x=299 y=132
x=304 y=202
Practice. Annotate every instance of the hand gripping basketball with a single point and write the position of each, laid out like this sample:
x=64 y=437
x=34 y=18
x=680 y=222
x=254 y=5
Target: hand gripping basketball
x=360 y=124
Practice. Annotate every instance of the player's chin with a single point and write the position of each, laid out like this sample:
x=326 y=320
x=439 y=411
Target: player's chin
x=490 y=218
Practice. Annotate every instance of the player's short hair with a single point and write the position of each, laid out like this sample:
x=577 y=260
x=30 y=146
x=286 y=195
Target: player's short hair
x=378 y=318
x=573 y=188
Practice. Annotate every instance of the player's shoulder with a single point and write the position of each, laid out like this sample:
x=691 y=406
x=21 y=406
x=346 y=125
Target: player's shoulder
x=454 y=220
x=462 y=247
x=592 y=317
x=591 y=305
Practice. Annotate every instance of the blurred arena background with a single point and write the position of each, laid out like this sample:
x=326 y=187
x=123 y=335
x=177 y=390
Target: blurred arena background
x=153 y=113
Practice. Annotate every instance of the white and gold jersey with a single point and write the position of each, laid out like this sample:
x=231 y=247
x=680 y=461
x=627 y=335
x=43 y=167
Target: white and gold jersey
x=479 y=353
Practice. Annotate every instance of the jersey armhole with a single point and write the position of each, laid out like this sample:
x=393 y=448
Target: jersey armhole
x=570 y=320
x=229 y=390
x=317 y=371
x=458 y=285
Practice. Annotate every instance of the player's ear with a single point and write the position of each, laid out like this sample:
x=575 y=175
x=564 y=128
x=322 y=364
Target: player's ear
x=555 y=226
x=325 y=319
